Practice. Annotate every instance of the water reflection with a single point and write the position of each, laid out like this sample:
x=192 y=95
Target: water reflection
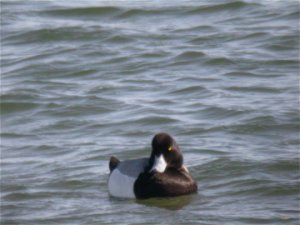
x=171 y=203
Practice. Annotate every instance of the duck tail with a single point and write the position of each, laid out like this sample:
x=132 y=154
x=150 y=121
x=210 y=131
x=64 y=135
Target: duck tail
x=113 y=163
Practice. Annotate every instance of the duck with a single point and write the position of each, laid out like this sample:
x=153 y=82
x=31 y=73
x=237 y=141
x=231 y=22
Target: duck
x=163 y=174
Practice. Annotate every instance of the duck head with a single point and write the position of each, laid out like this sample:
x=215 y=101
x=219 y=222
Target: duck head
x=165 y=154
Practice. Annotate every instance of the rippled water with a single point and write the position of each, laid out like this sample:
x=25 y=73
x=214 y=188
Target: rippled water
x=86 y=80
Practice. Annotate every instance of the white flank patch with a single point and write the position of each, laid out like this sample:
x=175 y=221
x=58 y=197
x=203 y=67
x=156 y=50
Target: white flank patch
x=160 y=164
x=121 y=185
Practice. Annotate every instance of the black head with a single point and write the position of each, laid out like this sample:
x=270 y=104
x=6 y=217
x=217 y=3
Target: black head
x=165 y=153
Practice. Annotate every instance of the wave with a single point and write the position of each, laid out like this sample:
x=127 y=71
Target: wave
x=63 y=33
x=234 y=5
x=84 y=11
x=189 y=55
x=189 y=90
x=220 y=61
x=148 y=12
x=256 y=89
x=11 y=107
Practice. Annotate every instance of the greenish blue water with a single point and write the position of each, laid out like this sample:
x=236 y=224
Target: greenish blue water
x=84 y=80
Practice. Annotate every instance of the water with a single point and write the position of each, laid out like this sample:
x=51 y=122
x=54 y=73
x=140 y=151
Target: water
x=85 y=80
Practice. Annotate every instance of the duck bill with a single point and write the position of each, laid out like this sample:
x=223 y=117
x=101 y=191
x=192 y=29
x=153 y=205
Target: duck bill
x=159 y=164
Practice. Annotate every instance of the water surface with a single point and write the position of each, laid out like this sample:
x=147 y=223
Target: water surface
x=86 y=80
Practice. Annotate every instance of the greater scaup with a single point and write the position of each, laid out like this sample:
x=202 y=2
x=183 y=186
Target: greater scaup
x=161 y=175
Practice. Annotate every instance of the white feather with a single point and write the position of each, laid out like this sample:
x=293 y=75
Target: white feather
x=121 y=185
x=160 y=164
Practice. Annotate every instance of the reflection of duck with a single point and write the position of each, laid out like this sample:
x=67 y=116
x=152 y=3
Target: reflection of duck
x=161 y=175
x=170 y=203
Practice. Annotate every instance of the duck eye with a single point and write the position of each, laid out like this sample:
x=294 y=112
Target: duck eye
x=170 y=148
